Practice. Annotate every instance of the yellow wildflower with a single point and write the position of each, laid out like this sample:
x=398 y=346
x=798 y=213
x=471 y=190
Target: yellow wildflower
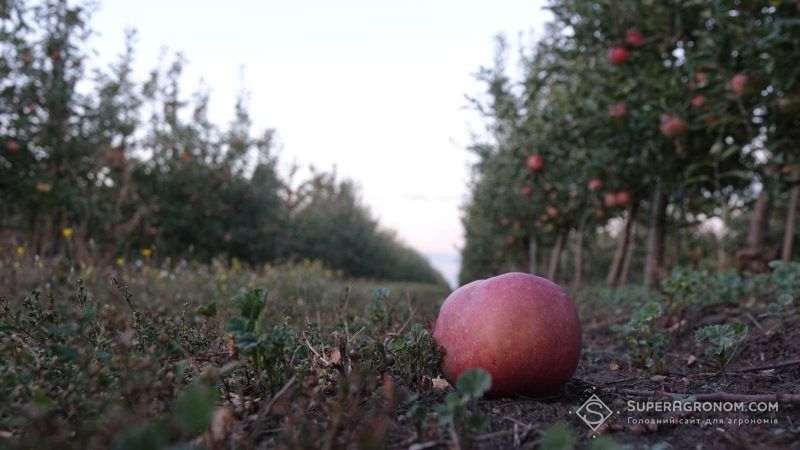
x=67 y=232
x=147 y=252
x=120 y=261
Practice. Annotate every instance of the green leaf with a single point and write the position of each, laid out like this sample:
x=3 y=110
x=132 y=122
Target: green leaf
x=556 y=437
x=141 y=437
x=209 y=310
x=474 y=382
x=251 y=303
x=195 y=407
x=606 y=443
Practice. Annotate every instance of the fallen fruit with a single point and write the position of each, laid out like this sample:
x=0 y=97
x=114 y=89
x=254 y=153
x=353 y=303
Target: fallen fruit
x=521 y=328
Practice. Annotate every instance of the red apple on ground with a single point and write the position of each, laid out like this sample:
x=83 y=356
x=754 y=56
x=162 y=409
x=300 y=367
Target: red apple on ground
x=527 y=191
x=595 y=184
x=634 y=37
x=610 y=199
x=12 y=146
x=623 y=198
x=535 y=163
x=618 y=55
x=619 y=109
x=521 y=328
x=671 y=125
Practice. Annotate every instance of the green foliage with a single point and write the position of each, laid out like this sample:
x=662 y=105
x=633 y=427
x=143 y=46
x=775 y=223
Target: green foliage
x=454 y=415
x=557 y=436
x=647 y=345
x=722 y=341
x=784 y=286
x=271 y=351
x=194 y=407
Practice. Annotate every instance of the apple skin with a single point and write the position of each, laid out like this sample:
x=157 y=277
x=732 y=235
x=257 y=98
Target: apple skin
x=610 y=199
x=619 y=109
x=618 y=55
x=738 y=83
x=12 y=146
x=623 y=198
x=672 y=126
x=527 y=191
x=634 y=37
x=535 y=163
x=595 y=184
x=520 y=328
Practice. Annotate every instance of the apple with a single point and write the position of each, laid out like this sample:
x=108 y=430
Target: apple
x=595 y=184
x=623 y=198
x=527 y=191
x=511 y=240
x=619 y=109
x=711 y=119
x=610 y=199
x=520 y=328
x=535 y=163
x=634 y=37
x=574 y=194
x=12 y=146
x=618 y=55
x=698 y=100
x=671 y=125
x=738 y=83
x=552 y=212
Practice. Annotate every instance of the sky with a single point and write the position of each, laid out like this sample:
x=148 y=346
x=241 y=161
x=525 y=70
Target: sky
x=373 y=88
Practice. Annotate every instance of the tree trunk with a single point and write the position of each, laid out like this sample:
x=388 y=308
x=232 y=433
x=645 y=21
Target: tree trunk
x=622 y=248
x=556 y=255
x=577 y=281
x=759 y=224
x=626 y=266
x=791 y=217
x=533 y=248
x=655 y=241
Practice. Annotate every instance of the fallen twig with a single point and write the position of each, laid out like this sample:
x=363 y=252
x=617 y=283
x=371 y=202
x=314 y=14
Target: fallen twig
x=778 y=365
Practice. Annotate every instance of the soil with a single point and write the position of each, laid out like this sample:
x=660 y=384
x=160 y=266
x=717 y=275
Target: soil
x=606 y=370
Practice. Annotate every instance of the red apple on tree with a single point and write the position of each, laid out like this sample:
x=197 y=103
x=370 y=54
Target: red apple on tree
x=610 y=199
x=595 y=184
x=552 y=212
x=623 y=198
x=619 y=109
x=527 y=191
x=634 y=37
x=698 y=100
x=738 y=83
x=511 y=240
x=521 y=328
x=618 y=55
x=535 y=163
x=672 y=125
x=12 y=146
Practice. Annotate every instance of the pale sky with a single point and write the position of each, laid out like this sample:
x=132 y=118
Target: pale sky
x=374 y=88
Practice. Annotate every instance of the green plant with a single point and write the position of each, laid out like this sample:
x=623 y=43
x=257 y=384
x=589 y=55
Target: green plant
x=785 y=286
x=646 y=345
x=271 y=350
x=454 y=416
x=722 y=341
